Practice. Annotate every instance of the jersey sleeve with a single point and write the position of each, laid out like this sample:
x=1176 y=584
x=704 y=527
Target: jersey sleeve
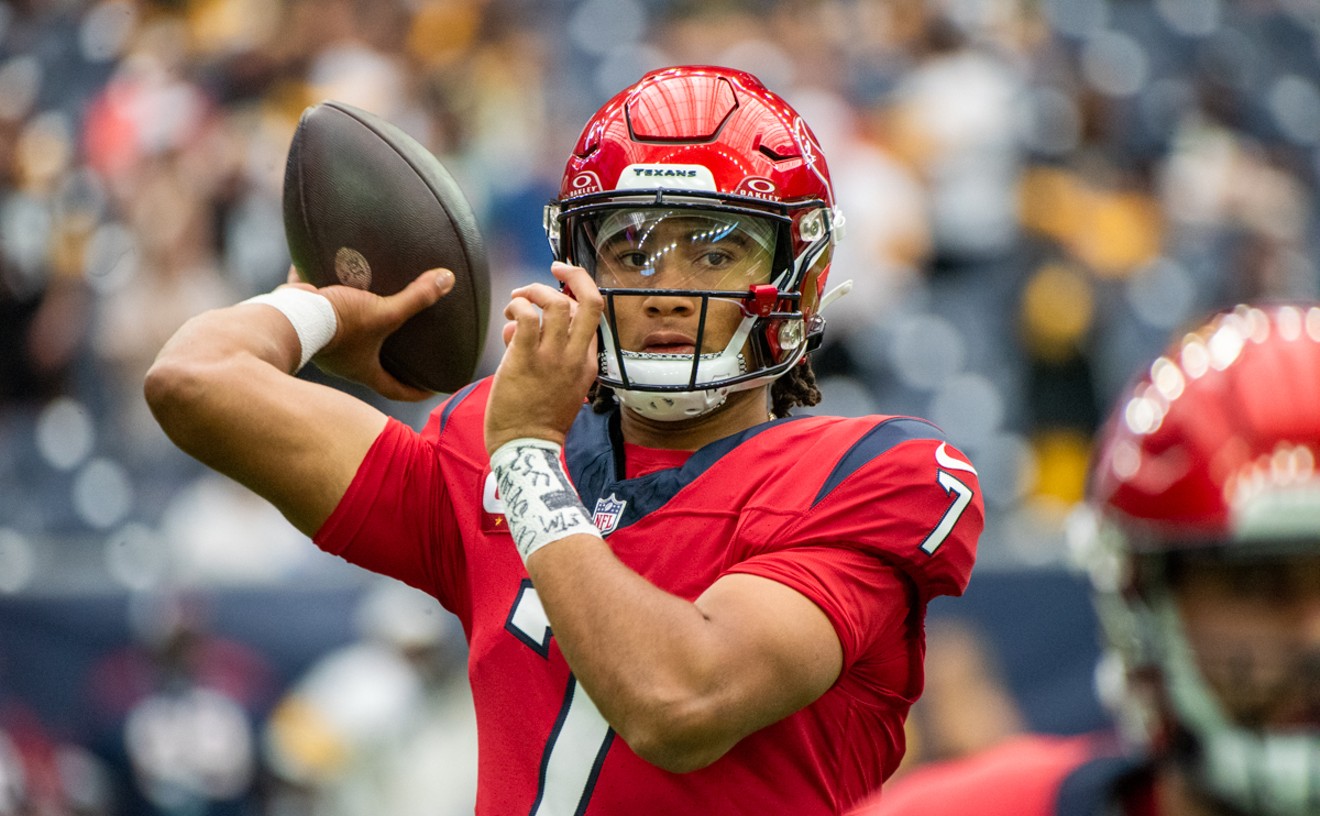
x=867 y=601
x=397 y=514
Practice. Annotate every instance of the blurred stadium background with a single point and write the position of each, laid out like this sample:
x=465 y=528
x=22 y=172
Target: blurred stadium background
x=1038 y=193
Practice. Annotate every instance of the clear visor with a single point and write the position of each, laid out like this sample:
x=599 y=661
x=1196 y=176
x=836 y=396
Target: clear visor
x=666 y=248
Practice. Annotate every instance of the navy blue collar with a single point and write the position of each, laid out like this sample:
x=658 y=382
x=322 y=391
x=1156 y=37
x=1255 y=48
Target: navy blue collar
x=595 y=455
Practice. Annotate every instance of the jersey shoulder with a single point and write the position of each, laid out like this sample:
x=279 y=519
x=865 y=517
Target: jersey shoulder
x=891 y=486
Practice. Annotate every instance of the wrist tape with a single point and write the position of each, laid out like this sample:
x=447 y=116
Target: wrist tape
x=540 y=503
x=312 y=316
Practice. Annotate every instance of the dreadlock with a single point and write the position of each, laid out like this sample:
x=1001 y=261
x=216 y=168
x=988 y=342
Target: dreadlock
x=796 y=387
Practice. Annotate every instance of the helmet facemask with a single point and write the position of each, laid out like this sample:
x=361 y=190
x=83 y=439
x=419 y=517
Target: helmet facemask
x=729 y=265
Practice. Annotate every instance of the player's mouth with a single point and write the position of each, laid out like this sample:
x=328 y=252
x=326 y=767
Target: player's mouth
x=668 y=343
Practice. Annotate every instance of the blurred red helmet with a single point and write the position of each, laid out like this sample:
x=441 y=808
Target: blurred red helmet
x=1218 y=442
x=1210 y=460
x=712 y=145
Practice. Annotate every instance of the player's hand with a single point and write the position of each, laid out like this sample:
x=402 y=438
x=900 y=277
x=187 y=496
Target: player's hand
x=549 y=361
x=364 y=320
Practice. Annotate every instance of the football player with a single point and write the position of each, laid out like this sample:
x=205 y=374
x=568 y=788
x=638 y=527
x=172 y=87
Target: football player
x=1201 y=535
x=678 y=597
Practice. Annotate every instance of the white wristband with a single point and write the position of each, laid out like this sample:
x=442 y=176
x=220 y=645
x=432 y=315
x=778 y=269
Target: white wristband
x=540 y=503
x=312 y=316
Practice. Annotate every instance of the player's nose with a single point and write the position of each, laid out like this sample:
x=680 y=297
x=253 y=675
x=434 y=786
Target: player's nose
x=668 y=278
x=665 y=303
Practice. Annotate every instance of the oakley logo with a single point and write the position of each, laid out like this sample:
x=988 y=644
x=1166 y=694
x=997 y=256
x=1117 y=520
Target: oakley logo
x=586 y=180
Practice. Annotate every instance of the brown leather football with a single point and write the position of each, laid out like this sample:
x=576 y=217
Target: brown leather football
x=366 y=205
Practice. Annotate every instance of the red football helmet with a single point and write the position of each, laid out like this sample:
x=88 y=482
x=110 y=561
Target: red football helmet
x=1208 y=466
x=711 y=156
x=1222 y=429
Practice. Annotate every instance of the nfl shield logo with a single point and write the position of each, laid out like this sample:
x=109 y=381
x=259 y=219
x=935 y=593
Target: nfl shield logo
x=608 y=512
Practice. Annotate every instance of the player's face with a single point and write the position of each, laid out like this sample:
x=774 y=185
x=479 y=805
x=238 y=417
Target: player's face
x=1255 y=630
x=665 y=251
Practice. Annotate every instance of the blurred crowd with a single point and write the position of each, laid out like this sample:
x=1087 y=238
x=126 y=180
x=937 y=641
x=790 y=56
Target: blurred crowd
x=1037 y=193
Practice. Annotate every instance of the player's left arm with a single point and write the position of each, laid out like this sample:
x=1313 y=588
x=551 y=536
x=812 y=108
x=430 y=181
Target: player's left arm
x=680 y=681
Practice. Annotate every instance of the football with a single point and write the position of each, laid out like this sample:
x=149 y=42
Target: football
x=366 y=205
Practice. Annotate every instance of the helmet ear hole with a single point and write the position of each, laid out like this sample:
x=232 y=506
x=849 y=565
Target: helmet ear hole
x=811 y=227
x=789 y=335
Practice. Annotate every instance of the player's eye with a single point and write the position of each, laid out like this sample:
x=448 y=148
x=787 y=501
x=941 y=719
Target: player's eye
x=717 y=259
x=635 y=261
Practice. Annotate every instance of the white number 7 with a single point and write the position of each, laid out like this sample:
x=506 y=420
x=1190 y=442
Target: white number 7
x=576 y=748
x=962 y=496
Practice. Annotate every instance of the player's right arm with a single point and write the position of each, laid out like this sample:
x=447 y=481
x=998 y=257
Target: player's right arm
x=222 y=389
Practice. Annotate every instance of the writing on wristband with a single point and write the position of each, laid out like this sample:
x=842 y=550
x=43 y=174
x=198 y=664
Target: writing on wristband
x=540 y=504
x=311 y=314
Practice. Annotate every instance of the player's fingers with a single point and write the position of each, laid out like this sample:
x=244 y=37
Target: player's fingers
x=590 y=304
x=558 y=307
x=527 y=324
x=575 y=282
x=507 y=332
x=421 y=292
x=537 y=293
x=556 y=313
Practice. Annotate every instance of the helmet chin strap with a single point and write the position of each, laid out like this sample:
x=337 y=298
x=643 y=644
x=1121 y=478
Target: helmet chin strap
x=677 y=405
x=676 y=369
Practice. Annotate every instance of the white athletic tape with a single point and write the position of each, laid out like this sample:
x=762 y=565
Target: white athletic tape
x=312 y=316
x=540 y=503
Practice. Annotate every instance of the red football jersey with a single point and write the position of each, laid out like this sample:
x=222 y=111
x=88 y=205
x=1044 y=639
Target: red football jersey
x=868 y=517
x=1031 y=775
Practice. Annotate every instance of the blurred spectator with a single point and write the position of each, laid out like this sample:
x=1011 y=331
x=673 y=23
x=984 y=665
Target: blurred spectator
x=383 y=725
x=42 y=775
x=176 y=713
